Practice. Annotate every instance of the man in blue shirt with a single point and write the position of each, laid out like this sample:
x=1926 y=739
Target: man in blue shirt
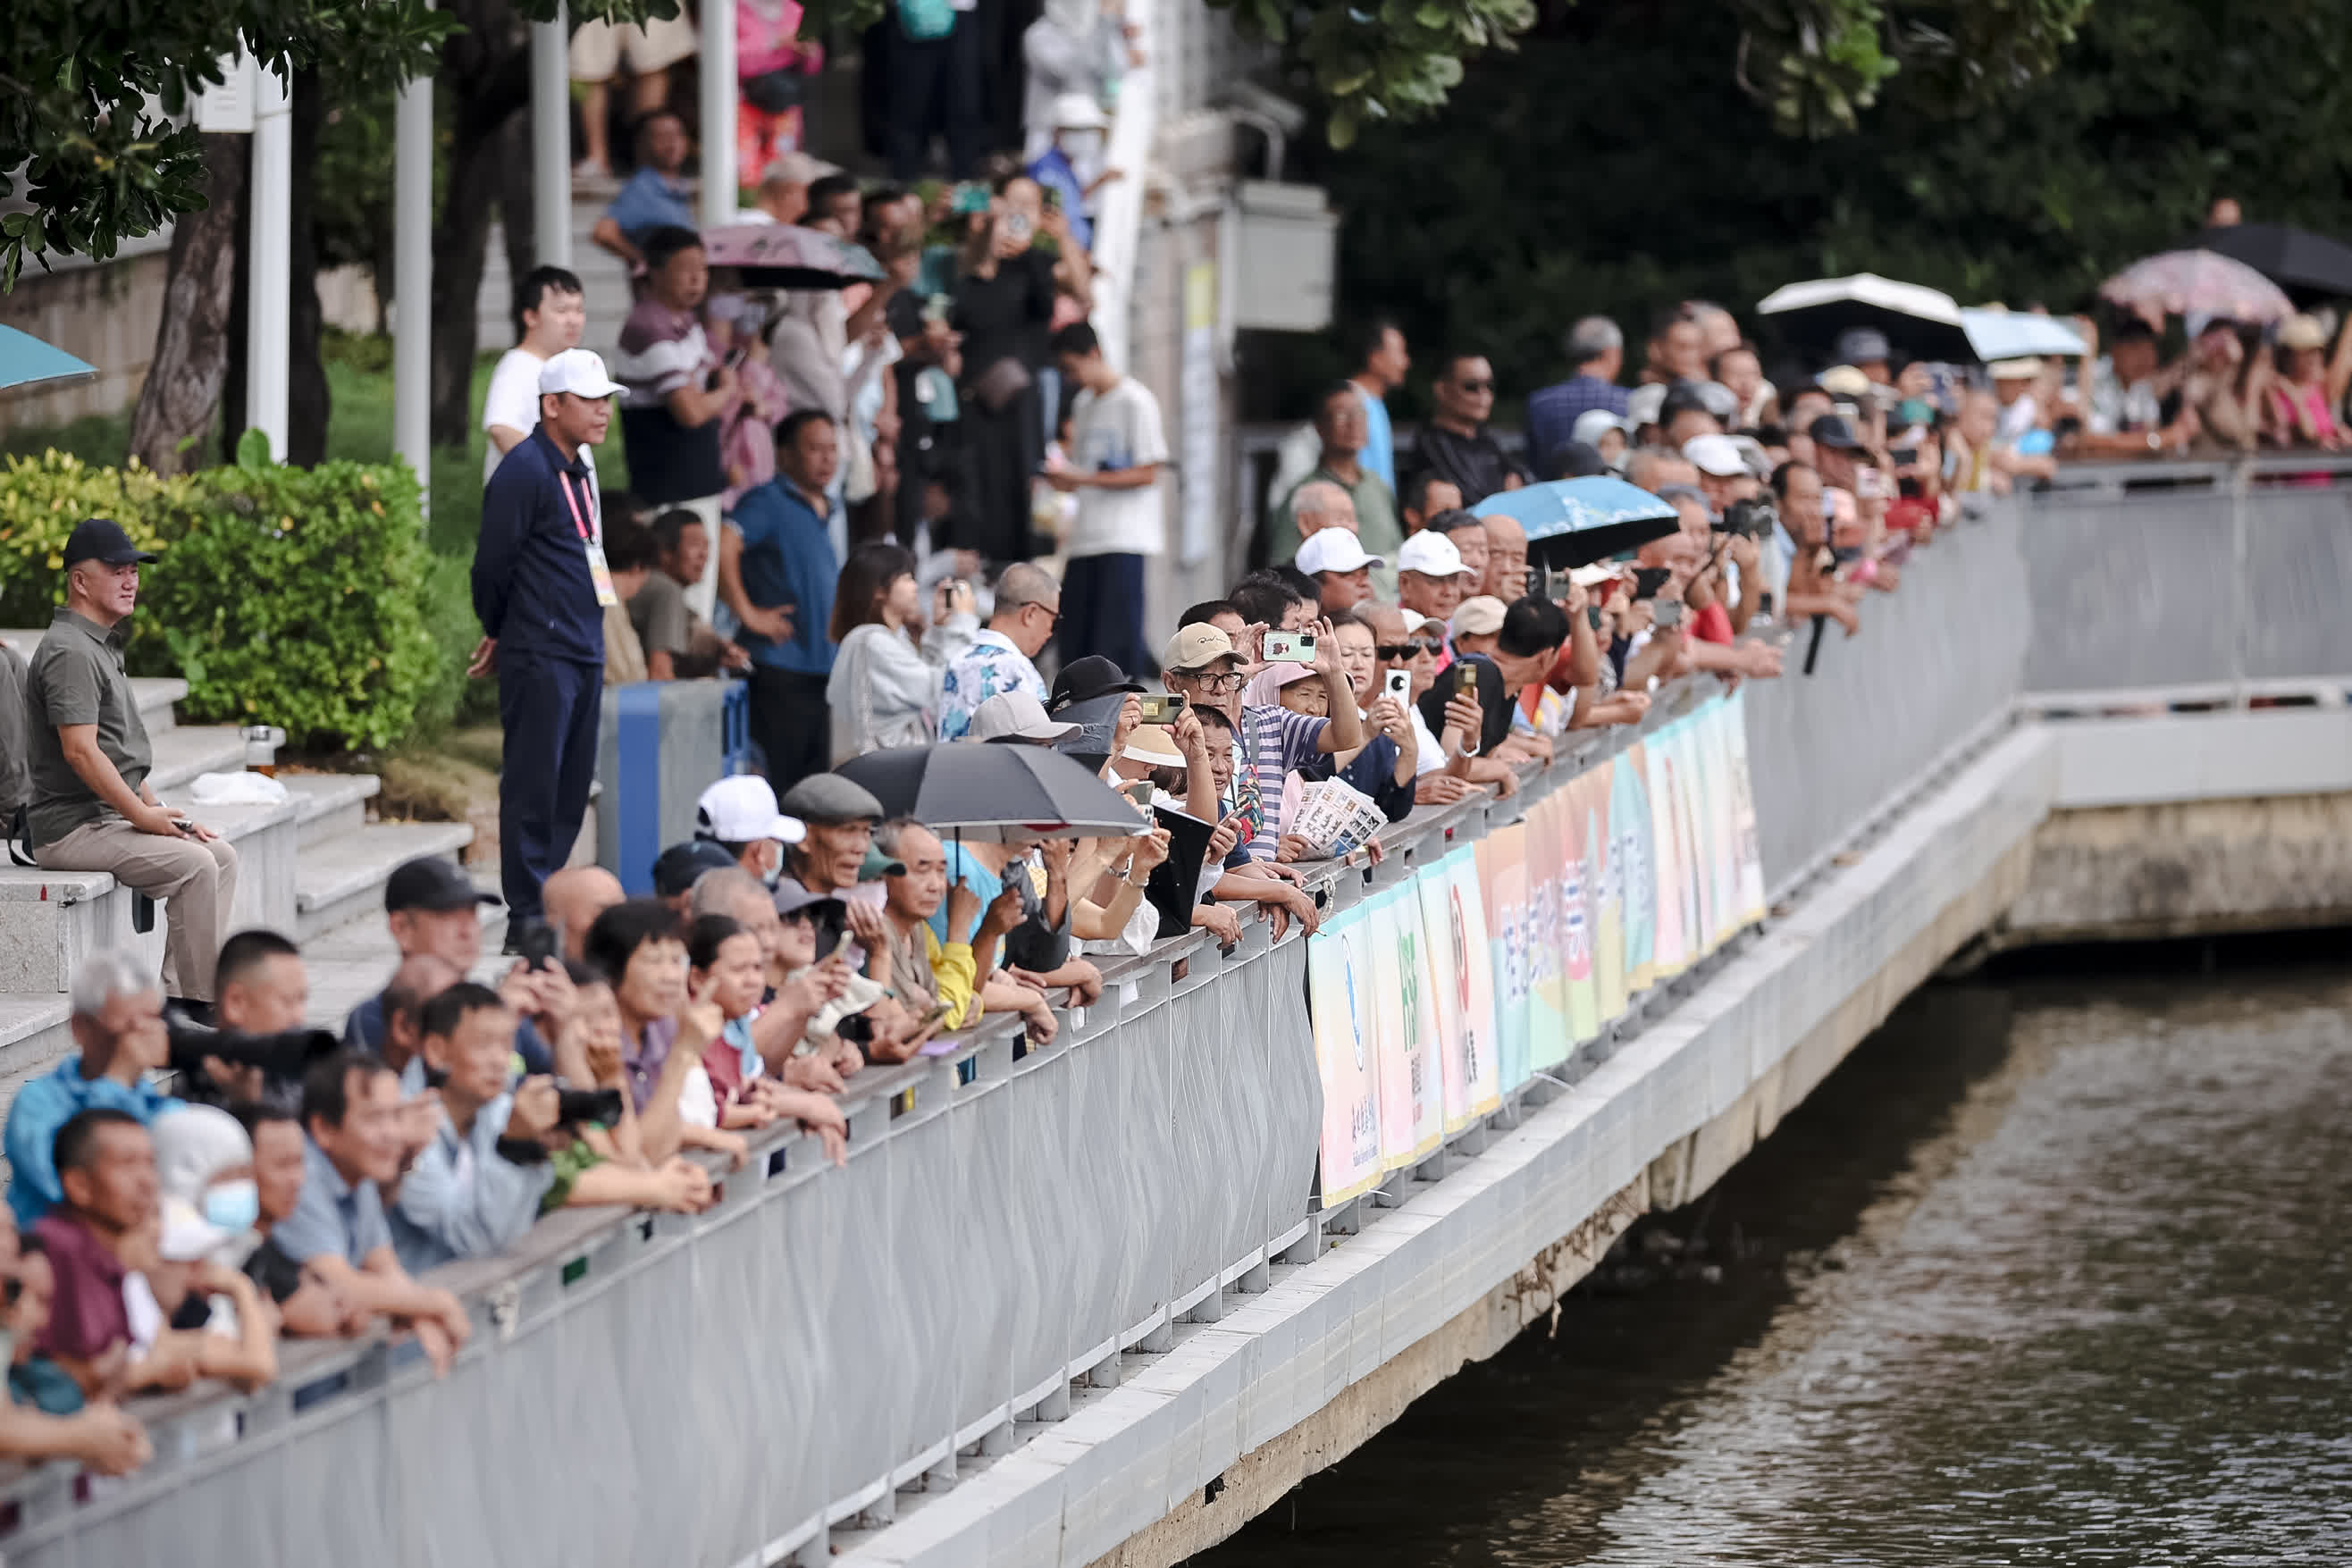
x=118 y=1022
x=1596 y=353
x=1382 y=371
x=352 y=1119
x=541 y=590
x=475 y=1188
x=655 y=196
x=776 y=571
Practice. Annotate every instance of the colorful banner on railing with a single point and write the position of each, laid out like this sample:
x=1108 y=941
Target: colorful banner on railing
x=1434 y=995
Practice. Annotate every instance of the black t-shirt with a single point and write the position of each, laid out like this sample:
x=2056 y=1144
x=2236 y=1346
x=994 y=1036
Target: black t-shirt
x=1476 y=464
x=669 y=462
x=1493 y=702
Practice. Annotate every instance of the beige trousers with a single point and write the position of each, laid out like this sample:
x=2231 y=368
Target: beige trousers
x=197 y=880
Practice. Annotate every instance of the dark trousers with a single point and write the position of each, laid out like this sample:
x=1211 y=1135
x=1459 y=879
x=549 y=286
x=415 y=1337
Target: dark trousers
x=790 y=725
x=1102 y=610
x=934 y=84
x=549 y=709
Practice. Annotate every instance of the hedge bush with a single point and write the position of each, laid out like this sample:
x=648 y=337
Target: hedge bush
x=287 y=596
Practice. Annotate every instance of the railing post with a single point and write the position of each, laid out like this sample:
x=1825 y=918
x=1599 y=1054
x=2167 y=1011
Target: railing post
x=2241 y=614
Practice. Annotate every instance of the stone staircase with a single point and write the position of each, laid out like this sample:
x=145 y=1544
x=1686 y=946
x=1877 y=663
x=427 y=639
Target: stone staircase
x=313 y=867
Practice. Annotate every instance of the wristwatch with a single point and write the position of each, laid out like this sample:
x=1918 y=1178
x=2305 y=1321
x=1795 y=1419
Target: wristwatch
x=2155 y=442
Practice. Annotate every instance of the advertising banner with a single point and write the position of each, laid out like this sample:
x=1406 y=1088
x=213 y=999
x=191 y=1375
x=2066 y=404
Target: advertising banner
x=1629 y=831
x=1743 y=811
x=1549 y=1042
x=1503 y=882
x=1605 y=883
x=1579 y=826
x=1412 y=1108
x=1453 y=922
x=1342 y=959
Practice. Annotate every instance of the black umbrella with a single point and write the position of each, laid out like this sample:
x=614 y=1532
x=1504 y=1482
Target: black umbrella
x=2309 y=267
x=989 y=794
x=1921 y=323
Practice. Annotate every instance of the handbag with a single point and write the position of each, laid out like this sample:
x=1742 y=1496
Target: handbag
x=997 y=386
x=774 y=93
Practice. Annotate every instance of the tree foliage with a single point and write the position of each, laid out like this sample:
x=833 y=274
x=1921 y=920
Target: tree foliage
x=94 y=98
x=1612 y=166
x=1814 y=64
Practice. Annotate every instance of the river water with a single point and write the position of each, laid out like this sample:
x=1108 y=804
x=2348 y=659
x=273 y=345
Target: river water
x=2047 y=1272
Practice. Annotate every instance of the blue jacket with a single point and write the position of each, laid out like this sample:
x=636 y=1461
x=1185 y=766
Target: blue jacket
x=462 y=1199
x=787 y=560
x=532 y=587
x=41 y=1108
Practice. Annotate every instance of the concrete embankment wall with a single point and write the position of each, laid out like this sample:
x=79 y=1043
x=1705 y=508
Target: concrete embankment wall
x=2121 y=827
x=1195 y=1440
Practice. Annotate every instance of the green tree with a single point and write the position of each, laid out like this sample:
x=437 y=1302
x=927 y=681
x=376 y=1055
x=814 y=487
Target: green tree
x=92 y=99
x=1637 y=174
x=1813 y=65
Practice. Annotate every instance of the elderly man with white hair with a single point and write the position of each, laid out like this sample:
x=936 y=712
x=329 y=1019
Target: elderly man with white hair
x=117 y=1027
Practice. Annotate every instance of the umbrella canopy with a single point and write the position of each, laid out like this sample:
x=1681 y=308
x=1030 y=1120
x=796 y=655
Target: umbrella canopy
x=25 y=359
x=2309 y=267
x=1922 y=323
x=1575 y=522
x=2017 y=334
x=2196 y=283
x=975 y=791
x=786 y=255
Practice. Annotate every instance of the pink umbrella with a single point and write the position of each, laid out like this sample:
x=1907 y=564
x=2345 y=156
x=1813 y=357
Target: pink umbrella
x=786 y=255
x=2196 y=283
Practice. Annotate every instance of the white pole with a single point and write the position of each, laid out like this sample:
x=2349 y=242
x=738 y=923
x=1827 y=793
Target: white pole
x=551 y=143
x=718 y=119
x=412 y=279
x=269 y=272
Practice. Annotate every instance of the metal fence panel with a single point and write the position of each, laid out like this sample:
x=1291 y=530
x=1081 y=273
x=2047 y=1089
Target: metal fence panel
x=2150 y=609
x=1935 y=660
x=2298 y=560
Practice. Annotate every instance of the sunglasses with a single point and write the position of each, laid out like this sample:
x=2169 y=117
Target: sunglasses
x=1475 y=386
x=1406 y=650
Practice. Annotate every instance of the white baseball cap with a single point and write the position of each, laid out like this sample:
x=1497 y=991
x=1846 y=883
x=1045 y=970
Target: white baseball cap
x=1334 y=550
x=1017 y=715
x=742 y=810
x=579 y=373
x=1715 y=454
x=1429 y=554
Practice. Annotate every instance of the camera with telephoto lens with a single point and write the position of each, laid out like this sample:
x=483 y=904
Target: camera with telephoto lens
x=285 y=1056
x=1756 y=517
x=574 y=1106
x=857 y=1028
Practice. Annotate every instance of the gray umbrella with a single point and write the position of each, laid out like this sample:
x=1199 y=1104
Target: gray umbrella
x=989 y=794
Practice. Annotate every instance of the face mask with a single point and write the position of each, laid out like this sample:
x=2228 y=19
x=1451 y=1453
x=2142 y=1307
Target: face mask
x=232 y=1205
x=1082 y=146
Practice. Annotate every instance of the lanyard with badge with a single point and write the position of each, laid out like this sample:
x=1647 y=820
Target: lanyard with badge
x=598 y=573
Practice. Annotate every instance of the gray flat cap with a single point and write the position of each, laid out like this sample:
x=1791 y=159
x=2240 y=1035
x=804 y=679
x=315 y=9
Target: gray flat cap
x=830 y=798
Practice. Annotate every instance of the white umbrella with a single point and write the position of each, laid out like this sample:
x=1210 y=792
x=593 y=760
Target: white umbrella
x=2018 y=334
x=1922 y=323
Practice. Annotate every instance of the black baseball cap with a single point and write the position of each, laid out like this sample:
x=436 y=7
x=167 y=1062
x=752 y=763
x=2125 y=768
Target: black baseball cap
x=1832 y=431
x=102 y=539
x=1089 y=677
x=428 y=882
x=680 y=867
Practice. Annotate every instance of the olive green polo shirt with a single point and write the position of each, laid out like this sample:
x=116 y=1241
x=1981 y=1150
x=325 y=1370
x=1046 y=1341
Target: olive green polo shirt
x=77 y=678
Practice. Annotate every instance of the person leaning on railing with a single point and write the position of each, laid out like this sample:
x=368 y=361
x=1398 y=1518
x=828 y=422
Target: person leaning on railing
x=97 y=1433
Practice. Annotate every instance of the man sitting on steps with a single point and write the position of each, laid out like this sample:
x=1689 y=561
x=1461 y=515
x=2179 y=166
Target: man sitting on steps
x=91 y=807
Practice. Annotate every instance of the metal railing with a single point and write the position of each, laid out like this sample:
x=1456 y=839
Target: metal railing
x=721 y=1388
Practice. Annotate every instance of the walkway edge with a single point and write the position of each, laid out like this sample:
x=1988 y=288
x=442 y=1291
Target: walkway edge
x=1388 y=1313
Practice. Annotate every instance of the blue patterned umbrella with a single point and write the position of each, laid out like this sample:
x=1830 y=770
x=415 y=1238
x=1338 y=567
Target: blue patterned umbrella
x=24 y=359
x=1574 y=522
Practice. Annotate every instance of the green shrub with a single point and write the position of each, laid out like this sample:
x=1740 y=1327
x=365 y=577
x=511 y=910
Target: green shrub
x=286 y=596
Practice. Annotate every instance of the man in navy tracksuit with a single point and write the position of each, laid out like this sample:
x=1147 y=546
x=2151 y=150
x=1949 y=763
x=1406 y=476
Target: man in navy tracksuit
x=541 y=586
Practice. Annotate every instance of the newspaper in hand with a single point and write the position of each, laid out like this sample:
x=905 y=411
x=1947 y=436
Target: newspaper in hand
x=1335 y=818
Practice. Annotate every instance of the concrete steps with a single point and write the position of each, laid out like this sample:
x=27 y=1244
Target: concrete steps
x=340 y=878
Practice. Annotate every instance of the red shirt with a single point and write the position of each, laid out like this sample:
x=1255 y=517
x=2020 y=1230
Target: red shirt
x=1712 y=624
x=87 y=1317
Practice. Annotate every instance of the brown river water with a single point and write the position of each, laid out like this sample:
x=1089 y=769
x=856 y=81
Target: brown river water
x=2048 y=1271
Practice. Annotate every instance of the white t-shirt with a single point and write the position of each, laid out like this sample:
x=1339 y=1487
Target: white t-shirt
x=513 y=402
x=1429 y=755
x=1115 y=430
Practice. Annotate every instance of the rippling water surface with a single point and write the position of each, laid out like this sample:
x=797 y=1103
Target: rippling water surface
x=2044 y=1274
